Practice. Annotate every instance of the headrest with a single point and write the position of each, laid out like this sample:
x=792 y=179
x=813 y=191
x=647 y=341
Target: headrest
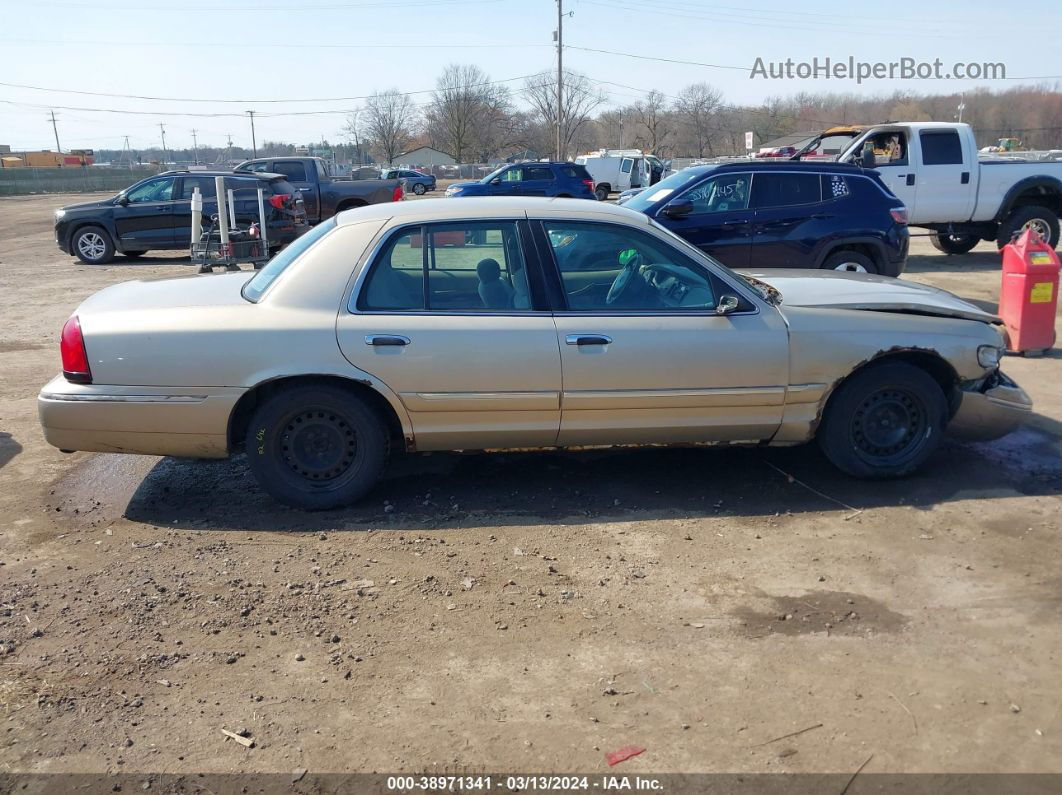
x=488 y=270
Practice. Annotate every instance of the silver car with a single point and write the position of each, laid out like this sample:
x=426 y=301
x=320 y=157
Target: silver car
x=517 y=323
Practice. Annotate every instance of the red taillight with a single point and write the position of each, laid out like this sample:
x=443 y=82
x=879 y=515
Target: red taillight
x=589 y=183
x=72 y=348
x=899 y=215
x=398 y=194
x=280 y=200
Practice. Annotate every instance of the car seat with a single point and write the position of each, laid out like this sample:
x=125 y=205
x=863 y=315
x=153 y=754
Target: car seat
x=493 y=292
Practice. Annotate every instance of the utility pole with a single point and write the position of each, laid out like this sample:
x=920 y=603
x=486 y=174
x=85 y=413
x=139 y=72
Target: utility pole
x=254 y=144
x=165 y=154
x=55 y=129
x=961 y=107
x=560 y=79
x=126 y=151
x=195 y=148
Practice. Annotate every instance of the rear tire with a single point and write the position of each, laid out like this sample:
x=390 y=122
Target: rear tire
x=317 y=447
x=850 y=261
x=92 y=245
x=419 y=189
x=1042 y=219
x=601 y=192
x=884 y=421
x=953 y=244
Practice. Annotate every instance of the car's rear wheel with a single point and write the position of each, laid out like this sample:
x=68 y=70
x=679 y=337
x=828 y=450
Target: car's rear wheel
x=419 y=189
x=884 y=421
x=133 y=254
x=317 y=447
x=1041 y=219
x=850 y=261
x=92 y=245
x=953 y=244
x=601 y=192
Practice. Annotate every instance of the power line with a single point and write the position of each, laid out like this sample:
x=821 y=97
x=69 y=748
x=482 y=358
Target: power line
x=272 y=45
x=182 y=9
x=664 y=60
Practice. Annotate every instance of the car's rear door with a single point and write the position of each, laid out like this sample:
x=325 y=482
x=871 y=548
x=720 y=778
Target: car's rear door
x=789 y=219
x=296 y=172
x=443 y=314
x=182 y=215
x=657 y=364
x=538 y=181
x=146 y=221
x=946 y=190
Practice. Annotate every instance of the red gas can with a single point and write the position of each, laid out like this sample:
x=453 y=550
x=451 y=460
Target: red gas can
x=1028 y=297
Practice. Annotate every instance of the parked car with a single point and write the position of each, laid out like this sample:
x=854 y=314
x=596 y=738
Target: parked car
x=784 y=215
x=324 y=195
x=518 y=323
x=415 y=181
x=156 y=214
x=933 y=167
x=564 y=180
x=628 y=194
x=616 y=172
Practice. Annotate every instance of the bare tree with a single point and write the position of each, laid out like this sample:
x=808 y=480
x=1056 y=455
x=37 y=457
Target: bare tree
x=652 y=115
x=696 y=107
x=388 y=115
x=353 y=129
x=463 y=108
x=581 y=99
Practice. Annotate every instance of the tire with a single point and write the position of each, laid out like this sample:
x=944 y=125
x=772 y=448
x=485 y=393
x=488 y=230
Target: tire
x=884 y=421
x=133 y=254
x=92 y=245
x=1042 y=218
x=601 y=192
x=953 y=244
x=419 y=189
x=317 y=447
x=850 y=261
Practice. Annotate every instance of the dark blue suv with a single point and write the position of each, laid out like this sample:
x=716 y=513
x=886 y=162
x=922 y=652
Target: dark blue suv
x=784 y=215
x=569 y=180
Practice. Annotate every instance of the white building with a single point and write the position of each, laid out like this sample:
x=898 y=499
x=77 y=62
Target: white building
x=424 y=156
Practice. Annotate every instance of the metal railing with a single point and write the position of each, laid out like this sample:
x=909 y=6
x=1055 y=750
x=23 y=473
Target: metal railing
x=72 y=179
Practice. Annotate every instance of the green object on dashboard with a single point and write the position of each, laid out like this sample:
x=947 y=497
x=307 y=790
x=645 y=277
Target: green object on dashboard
x=627 y=255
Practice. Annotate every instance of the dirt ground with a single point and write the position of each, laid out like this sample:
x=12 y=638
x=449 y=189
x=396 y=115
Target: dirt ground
x=525 y=612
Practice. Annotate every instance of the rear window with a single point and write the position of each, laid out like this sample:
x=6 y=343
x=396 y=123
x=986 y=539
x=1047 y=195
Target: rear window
x=260 y=282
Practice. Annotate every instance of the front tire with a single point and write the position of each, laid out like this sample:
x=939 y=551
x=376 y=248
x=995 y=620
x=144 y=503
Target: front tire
x=1041 y=219
x=317 y=447
x=419 y=189
x=850 y=261
x=953 y=244
x=884 y=421
x=92 y=245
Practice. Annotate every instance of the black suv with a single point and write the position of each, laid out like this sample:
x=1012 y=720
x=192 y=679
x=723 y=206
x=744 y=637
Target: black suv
x=784 y=215
x=156 y=213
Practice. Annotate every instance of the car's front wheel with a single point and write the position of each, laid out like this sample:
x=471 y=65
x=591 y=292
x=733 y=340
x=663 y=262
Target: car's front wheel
x=851 y=262
x=92 y=245
x=884 y=421
x=420 y=189
x=317 y=446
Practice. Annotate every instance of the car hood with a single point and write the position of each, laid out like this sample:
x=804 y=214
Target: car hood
x=464 y=185
x=168 y=293
x=839 y=290
x=89 y=205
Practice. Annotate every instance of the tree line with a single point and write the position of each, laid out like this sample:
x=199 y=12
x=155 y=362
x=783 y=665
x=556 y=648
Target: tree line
x=477 y=120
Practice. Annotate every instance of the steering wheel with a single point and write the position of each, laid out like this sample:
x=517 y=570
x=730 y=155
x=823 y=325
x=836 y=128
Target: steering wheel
x=625 y=280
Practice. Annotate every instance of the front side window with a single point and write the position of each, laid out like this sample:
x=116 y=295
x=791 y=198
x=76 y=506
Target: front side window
x=157 y=190
x=884 y=149
x=468 y=266
x=292 y=169
x=513 y=175
x=257 y=167
x=609 y=267
x=785 y=190
x=725 y=193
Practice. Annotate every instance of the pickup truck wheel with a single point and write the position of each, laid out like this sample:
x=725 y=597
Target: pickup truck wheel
x=1043 y=220
x=953 y=244
x=93 y=245
x=850 y=261
x=316 y=447
x=419 y=189
x=884 y=421
x=601 y=192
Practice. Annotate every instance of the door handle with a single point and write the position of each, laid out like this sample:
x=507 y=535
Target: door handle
x=386 y=340
x=910 y=179
x=820 y=216
x=588 y=339
x=965 y=178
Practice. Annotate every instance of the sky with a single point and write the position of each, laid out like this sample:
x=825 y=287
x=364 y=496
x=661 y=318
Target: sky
x=263 y=55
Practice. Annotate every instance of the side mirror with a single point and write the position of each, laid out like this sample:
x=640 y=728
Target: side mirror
x=123 y=199
x=496 y=181
x=727 y=304
x=678 y=208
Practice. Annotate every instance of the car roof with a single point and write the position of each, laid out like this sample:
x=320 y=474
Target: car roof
x=779 y=165
x=254 y=174
x=487 y=208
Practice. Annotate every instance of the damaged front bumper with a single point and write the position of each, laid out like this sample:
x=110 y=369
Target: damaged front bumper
x=990 y=409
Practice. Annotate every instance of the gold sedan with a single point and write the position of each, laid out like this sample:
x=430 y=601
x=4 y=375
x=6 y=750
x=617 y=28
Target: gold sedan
x=517 y=323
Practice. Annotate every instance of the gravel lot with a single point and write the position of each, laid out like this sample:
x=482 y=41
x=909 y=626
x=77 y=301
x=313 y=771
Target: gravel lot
x=524 y=612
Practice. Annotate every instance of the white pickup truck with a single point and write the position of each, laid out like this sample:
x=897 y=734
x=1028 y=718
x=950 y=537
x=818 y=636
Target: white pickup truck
x=933 y=167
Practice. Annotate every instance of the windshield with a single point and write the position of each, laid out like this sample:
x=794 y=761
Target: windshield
x=256 y=287
x=493 y=174
x=663 y=189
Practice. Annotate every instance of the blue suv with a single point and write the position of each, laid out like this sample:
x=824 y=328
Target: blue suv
x=784 y=215
x=568 y=180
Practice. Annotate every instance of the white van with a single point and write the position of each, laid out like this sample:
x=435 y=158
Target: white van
x=616 y=172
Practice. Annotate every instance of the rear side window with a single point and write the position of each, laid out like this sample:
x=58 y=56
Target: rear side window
x=626 y=165
x=538 y=172
x=575 y=172
x=206 y=187
x=257 y=166
x=292 y=169
x=784 y=190
x=940 y=148
x=834 y=186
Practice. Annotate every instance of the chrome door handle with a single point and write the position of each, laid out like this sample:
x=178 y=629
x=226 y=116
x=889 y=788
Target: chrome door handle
x=386 y=339
x=588 y=339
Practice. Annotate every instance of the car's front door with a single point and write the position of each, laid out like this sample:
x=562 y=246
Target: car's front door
x=789 y=219
x=509 y=183
x=889 y=152
x=145 y=221
x=645 y=355
x=443 y=316
x=295 y=171
x=720 y=223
